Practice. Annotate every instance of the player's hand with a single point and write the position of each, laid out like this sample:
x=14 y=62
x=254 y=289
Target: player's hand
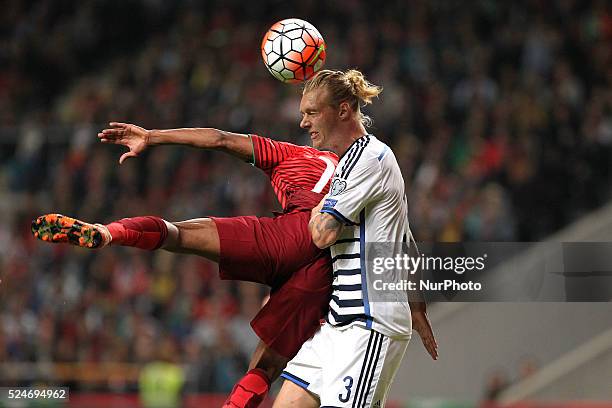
x=132 y=136
x=420 y=323
x=317 y=210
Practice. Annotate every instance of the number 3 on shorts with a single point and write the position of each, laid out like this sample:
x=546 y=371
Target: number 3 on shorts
x=348 y=383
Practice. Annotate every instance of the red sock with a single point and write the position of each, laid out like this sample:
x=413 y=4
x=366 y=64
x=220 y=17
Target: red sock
x=250 y=391
x=141 y=232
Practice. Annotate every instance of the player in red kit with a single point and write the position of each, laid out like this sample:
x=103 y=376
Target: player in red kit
x=278 y=251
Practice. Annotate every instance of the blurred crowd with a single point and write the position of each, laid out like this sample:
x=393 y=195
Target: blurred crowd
x=500 y=114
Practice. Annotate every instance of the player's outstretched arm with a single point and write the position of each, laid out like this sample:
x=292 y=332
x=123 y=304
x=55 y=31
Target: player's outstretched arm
x=137 y=139
x=421 y=324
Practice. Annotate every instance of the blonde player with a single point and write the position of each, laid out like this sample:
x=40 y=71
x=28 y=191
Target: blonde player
x=351 y=362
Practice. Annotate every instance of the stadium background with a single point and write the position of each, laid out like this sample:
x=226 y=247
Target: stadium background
x=500 y=114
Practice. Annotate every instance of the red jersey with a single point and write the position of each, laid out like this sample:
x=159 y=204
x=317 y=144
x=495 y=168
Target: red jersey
x=300 y=175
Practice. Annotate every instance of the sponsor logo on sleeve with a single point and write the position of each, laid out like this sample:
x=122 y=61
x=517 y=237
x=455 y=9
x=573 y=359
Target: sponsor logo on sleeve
x=329 y=203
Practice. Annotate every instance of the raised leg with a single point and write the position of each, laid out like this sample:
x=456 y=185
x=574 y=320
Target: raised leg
x=198 y=236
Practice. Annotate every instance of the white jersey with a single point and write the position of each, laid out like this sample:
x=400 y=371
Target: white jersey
x=367 y=195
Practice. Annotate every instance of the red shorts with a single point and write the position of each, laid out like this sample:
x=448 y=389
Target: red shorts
x=279 y=252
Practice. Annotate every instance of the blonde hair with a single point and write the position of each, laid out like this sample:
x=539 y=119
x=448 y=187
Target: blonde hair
x=350 y=86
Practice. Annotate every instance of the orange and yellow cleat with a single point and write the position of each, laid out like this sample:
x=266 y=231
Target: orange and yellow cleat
x=58 y=228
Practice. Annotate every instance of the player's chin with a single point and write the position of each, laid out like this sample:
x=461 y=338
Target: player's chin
x=316 y=140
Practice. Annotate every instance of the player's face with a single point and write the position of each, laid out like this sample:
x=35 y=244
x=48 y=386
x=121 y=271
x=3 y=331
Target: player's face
x=319 y=118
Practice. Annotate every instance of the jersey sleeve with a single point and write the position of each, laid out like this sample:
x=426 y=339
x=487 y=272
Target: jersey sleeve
x=268 y=153
x=352 y=190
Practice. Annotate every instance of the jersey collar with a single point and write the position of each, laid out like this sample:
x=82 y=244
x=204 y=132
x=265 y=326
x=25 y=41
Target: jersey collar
x=352 y=144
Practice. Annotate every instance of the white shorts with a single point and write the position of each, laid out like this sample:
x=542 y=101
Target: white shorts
x=350 y=367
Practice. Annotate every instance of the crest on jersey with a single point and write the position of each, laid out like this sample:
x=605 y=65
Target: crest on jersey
x=337 y=186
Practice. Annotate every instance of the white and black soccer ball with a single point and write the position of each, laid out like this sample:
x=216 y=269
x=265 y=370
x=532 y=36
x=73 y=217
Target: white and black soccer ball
x=293 y=50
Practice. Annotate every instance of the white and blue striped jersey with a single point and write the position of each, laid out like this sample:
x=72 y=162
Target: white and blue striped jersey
x=367 y=195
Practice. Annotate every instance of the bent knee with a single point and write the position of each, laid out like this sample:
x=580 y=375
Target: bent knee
x=197 y=236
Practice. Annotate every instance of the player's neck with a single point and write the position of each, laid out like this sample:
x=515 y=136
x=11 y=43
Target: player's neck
x=348 y=138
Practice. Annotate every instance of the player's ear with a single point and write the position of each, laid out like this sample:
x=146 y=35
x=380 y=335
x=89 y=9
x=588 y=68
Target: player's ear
x=344 y=110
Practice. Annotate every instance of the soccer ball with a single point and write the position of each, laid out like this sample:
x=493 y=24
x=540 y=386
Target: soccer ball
x=293 y=50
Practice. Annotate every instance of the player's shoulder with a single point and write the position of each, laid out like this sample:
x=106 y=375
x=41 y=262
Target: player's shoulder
x=380 y=155
x=366 y=152
x=269 y=140
x=312 y=152
x=366 y=147
x=376 y=149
